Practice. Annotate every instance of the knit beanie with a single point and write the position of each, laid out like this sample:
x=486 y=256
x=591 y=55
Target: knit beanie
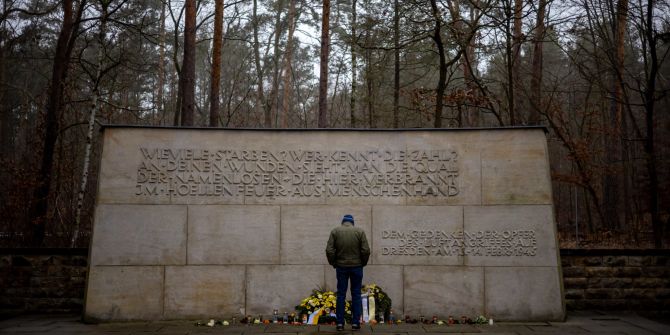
x=348 y=218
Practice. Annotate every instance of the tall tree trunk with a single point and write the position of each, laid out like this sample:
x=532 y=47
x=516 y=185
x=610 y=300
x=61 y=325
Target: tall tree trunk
x=6 y=114
x=614 y=145
x=176 y=121
x=215 y=85
x=625 y=166
x=160 y=89
x=516 y=60
x=649 y=148
x=323 y=73
x=396 y=64
x=188 y=66
x=288 y=60
x=177 y=72
x=260 y=103
x=442 y=80
x=64 y=45
x=469 y=63
x=273 y=103
x=509 y=62
x=354 y=38
x=536 y=78
x=91 y=121
x=368 y=82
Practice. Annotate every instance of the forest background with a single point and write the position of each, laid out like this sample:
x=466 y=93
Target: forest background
x=594 y=72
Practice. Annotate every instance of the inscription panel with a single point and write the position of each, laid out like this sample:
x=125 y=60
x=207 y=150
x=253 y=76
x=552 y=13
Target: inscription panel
x=493 y=243
x=405 y=235
x=246 y=167
x=226 y=172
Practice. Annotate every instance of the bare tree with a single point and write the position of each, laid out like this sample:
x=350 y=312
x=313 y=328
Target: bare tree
x=614 y=146
x=95 y=97
x=352 y=103
x=515 y=63
x=176 y=121
x=442 y=80
x=160 y=89
x=536 y=78
x=64 y=46
x=650 y=39
x=323 y=73
x=288 y=60
x=396 y=63
x=215 y=85
x=188 y=66
x=260 y=102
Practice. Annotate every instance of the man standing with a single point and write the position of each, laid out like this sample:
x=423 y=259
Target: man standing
x=348 y=253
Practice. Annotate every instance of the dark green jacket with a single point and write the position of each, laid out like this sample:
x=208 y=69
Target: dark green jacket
x=347 y=246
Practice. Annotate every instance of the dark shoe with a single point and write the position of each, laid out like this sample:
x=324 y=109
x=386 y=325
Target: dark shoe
x=355 y=327
x=339 y=328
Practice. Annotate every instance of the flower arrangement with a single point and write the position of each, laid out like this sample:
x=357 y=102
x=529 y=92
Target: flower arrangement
x=327 y=301
x=324 y=300
x=382 y=300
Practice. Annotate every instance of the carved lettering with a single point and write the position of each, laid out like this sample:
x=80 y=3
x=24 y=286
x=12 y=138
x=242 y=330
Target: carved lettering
x=194 y=172
x=506 y=243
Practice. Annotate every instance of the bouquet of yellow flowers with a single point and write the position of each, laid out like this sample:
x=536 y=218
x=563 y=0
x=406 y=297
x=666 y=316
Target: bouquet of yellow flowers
x=324 y=300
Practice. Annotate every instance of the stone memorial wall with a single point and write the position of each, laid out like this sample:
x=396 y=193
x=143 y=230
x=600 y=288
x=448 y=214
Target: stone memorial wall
x=198 y=223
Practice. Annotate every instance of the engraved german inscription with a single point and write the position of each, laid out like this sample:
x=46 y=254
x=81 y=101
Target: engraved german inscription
x=192 y=172
x=459 y=243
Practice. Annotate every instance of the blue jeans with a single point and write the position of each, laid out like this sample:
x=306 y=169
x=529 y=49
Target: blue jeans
x=355 y=274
